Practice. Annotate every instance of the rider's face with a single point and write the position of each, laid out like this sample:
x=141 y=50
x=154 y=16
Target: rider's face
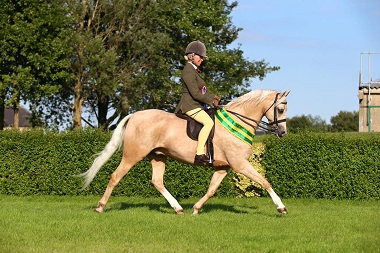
x=198 y=60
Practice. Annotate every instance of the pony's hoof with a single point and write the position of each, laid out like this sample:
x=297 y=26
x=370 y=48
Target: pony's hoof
x=180 y=212
x=282 y=210
x=100 y=208
x=196 y=210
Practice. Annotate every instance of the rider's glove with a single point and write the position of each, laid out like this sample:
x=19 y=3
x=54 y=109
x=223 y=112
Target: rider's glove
x=216 y=101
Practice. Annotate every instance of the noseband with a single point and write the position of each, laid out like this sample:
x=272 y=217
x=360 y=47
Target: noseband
x=268 y=127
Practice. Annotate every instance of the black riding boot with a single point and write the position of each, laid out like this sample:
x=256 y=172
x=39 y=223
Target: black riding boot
x=201 y=160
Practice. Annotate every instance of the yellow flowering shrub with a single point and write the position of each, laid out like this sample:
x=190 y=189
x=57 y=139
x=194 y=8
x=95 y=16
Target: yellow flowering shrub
x=248 y=188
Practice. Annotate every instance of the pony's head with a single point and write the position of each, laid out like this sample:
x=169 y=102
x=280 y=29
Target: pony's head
x=254 y=105
x=276 y=114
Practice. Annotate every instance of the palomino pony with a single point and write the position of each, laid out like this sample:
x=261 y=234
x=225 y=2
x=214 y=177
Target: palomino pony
x=157 y=134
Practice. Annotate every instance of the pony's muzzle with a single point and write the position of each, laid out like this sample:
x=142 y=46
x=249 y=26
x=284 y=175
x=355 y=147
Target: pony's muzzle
x=281 y=131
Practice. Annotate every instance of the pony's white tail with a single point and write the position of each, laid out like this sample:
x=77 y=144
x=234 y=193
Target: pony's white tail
x=101 y=158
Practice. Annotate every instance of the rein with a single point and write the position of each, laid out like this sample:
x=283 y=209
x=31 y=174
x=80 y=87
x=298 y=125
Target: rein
x=269 y=127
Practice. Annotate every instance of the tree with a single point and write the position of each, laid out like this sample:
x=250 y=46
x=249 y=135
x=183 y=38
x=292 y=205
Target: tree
x=124 y=56
x=116 y=45
x=306 y=123
x=129 y=53
x=345 y=121
x=33 y=51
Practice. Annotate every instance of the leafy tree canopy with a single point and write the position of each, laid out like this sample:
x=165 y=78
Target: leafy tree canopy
x=106 y=58
x=306 y=123
x=343 y=121
x=33 y=50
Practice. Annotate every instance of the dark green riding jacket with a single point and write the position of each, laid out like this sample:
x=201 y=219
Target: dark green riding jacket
x=194 y=92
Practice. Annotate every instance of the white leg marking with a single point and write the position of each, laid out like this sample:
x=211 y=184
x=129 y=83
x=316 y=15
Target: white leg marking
x=276 y=199
x=172 y=201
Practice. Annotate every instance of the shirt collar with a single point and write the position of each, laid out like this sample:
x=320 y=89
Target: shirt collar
x=195 y=67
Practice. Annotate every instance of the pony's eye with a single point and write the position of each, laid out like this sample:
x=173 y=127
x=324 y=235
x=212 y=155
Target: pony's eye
x=281 y=110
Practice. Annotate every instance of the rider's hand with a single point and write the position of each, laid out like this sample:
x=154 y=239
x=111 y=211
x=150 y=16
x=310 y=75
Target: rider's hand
x=216 y=101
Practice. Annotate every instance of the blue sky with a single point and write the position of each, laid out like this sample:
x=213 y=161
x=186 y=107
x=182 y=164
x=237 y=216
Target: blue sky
x=318 y=46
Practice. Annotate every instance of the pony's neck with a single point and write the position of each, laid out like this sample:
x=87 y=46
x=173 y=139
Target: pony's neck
x=255 y=113
x=253 y=104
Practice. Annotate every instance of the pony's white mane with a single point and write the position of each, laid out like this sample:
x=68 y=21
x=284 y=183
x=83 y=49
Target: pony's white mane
x=256 y=96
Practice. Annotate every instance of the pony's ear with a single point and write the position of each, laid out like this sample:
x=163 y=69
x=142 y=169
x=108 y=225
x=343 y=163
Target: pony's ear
x=286 y=93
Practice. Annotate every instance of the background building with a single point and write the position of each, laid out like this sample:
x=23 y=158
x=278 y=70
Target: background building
x=24 y=116
x=369 y=92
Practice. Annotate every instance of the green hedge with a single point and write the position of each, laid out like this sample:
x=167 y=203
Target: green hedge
x=37 y=162
x=333 y=166
x=342 y=166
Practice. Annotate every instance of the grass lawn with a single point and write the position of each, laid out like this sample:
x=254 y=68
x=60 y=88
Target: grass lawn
x=69 y=224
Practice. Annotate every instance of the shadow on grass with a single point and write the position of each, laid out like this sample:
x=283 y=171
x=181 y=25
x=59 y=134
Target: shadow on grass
x=188 y=208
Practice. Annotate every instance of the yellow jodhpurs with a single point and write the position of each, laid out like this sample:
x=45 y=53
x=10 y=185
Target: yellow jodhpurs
x=202 y=117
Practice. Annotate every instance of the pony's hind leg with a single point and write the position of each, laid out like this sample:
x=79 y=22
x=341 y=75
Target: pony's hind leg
x=158 y=165
x=216 y=180
x=115 y=178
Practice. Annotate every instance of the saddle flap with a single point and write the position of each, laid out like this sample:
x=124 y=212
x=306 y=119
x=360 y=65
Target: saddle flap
x=194 y=127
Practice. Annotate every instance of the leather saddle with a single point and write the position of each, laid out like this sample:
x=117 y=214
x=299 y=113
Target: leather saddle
x=193 y=128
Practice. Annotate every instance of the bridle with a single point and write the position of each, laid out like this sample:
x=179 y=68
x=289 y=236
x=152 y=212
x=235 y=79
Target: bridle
x=271 y=127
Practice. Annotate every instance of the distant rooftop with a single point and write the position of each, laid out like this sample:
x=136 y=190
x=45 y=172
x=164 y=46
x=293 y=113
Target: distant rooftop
x=373 y=85
x=24 y=116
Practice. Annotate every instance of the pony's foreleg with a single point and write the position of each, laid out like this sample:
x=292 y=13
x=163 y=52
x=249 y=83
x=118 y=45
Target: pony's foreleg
x=276 y=199
x=216 y=180
x=247 y=170
x=115 y=178
x=158 y=165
